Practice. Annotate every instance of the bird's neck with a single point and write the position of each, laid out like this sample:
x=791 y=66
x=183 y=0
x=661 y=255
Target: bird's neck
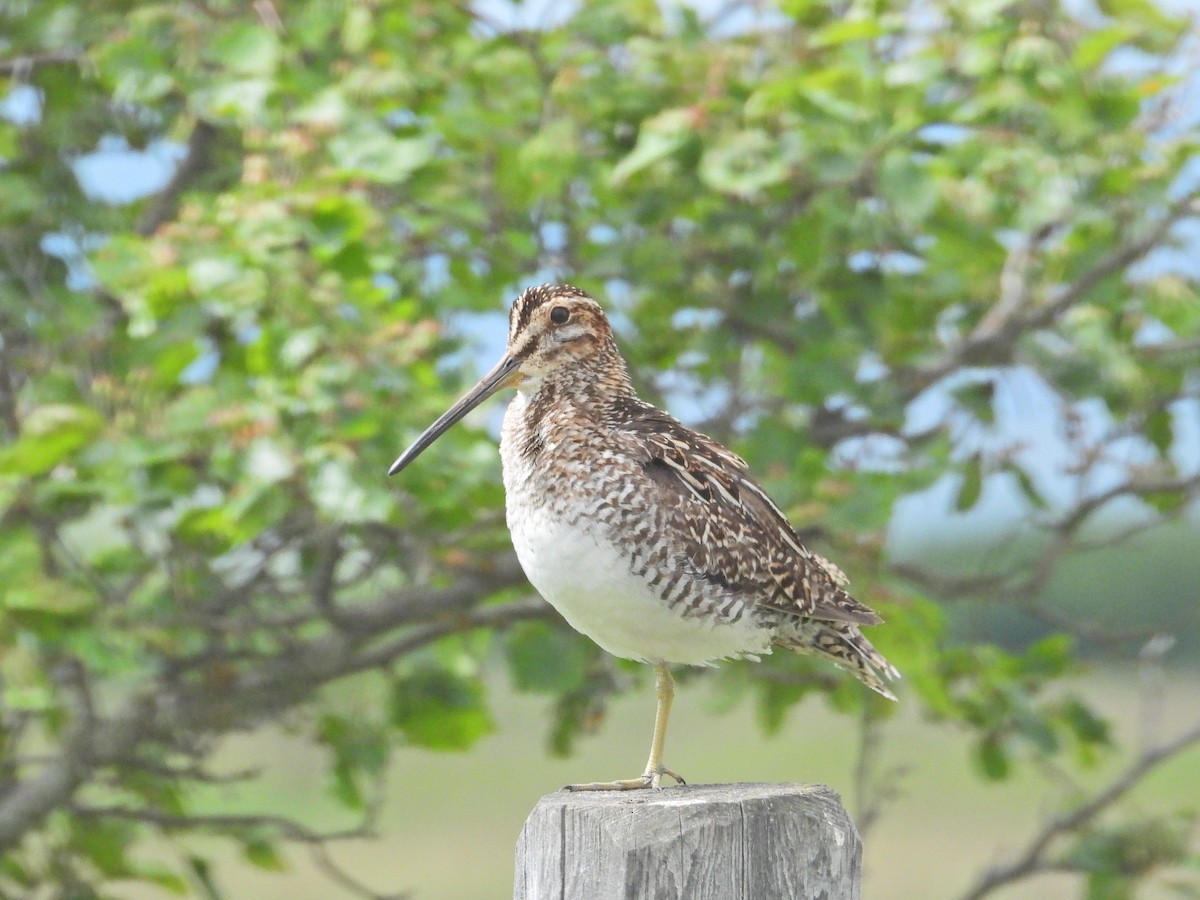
x=582 y=394
x=591 y=383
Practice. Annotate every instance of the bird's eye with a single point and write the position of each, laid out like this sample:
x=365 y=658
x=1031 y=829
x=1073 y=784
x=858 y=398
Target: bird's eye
x=559 y=315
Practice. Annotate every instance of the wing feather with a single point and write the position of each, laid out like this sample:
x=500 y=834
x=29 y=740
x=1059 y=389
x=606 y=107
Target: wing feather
x=734 y=534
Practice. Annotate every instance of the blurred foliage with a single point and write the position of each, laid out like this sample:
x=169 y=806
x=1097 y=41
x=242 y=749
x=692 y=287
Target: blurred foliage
x=805 y=221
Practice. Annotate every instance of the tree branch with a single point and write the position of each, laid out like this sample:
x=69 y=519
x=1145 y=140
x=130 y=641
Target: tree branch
x=21 y=66
x=1015 y=314
x=1034 y=859
x=197 y=160
x=8 y=395
x=1064 y=538
x=84 y=750
x=488 y=617
x=338 y=875
x=415 y=604
x=1183 y=345
x=287 y=828
x=1119 y=259
x=191 y=707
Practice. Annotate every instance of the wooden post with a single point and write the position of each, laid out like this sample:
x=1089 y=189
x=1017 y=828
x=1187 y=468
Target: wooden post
x=699 y=842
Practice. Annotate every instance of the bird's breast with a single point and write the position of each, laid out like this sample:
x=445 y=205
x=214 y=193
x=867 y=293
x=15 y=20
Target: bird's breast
x=588 y=540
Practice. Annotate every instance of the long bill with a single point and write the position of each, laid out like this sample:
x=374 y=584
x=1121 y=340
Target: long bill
x=503 y=374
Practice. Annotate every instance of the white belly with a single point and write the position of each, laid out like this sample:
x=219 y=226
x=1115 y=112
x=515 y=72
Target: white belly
x=587 y=580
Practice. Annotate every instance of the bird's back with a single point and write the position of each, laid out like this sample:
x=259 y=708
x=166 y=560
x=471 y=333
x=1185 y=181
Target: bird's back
x=651 y=538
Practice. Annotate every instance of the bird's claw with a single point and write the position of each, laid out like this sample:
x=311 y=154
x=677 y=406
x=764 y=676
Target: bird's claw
x=650 y=779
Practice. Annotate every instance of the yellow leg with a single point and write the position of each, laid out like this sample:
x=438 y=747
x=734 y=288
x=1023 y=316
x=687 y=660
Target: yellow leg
x=664 y=689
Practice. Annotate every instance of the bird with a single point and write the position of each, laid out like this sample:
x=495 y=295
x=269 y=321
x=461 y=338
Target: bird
x=648 y=537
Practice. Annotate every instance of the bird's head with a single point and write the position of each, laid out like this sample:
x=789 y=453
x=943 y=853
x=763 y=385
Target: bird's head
x=552 y=328
x=555 y=331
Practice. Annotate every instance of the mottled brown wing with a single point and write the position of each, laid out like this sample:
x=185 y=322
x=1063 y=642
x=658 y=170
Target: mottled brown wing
x=734 y=535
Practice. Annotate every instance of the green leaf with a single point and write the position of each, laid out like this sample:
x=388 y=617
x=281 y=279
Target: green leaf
x=1036 y=729
x=435 y=708
x=212 y=529
x=1025 y=482
x=360 y=747
x=992 y=757
x=106 y=843
x=263 y=853
x=12 y=868
x=1159 y=428
x=978 y=398
x=778 y=695
x=9 y=140
x=745 y=162
x=41 y=602
x=370 y=151
x=660 y=137
x=163 y=878
x=240 y=100
x=1050 y=657
x=1093 y=48
x=970 y=485
x=1088 y=728
x=1156 y=29
x=907 y=184
x=137 y=67
x=357 y=29
x=20 y=196
x=1166 y=502
x=546 y=659
x=1109 y=886
x=340 y=497
x=50 y=435
x=201 y=870
x=582 y=710
x=846 y=31
x=244 y=47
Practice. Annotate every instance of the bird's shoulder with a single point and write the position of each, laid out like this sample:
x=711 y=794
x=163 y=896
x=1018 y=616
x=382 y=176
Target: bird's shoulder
x=733 y=533
x=701 y=465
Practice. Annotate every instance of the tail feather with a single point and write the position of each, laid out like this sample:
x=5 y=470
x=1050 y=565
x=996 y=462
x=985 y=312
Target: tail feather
x=842 y=644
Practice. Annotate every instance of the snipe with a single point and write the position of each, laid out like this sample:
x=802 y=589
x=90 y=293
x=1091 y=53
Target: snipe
x=648 y=537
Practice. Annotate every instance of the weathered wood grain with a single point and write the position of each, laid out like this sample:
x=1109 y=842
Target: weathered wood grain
x=700 y=842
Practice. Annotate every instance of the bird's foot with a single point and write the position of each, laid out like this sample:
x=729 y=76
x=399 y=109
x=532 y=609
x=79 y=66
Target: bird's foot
x=648 y=779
